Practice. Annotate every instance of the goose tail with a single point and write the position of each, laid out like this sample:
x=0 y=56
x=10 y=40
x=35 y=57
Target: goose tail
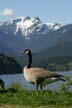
x=62 y=78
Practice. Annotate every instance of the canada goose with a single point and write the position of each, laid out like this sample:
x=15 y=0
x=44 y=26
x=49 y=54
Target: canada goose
x=1 y=84
x=39 y=76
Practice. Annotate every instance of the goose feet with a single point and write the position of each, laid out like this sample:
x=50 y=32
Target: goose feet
x=38 y=86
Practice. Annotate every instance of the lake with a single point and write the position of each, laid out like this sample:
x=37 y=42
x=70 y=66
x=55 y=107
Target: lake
x=10 y=79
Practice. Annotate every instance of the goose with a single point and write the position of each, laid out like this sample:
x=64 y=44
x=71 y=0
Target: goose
x=39 y=76
x=1 y=84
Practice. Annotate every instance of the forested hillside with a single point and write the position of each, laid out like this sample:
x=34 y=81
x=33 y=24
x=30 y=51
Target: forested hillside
x=8 y=65
x=60 y=63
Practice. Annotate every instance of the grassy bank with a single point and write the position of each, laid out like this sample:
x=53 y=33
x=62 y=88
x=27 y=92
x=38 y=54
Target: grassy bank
x=22 y=106
x=13 y=98
x=16 y=97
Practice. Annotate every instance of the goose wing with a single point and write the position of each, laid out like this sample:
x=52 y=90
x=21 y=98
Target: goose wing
x=42 y=73
x=47 y=77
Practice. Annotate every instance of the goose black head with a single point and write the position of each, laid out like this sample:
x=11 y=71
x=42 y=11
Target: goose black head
x=26 y=51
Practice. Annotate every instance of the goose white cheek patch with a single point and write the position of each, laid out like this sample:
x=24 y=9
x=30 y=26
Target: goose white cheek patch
x=27 y=52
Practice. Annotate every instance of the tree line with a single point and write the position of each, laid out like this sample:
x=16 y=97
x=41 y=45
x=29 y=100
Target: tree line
x=8 y=65
x=60 y=63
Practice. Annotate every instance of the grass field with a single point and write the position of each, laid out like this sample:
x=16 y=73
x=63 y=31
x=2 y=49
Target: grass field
x=17 y=97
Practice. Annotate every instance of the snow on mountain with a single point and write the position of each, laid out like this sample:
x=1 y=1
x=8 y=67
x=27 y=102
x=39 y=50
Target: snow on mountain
x=29 y=26
x=53 y=26
x=26 y=32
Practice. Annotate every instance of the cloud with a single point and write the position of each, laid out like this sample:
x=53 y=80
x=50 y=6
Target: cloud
x=7 y=12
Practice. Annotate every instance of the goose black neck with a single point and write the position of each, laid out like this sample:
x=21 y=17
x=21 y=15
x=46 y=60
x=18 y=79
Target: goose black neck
x=30 y=60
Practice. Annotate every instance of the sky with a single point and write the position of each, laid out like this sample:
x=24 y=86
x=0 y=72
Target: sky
x=47 y=10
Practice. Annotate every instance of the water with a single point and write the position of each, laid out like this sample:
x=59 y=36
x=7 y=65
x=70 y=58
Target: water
x=19 y=78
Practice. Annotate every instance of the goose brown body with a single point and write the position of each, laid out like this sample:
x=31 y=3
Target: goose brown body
x=39 y=76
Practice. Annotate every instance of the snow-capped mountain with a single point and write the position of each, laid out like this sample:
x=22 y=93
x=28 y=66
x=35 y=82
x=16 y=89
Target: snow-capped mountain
x=29 y=26
x=26 y=32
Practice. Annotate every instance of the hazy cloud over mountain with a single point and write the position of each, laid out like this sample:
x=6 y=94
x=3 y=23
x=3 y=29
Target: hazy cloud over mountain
x=7 y=12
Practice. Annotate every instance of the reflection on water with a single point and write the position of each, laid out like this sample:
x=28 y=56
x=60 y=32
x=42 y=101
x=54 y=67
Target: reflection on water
x=19 y=78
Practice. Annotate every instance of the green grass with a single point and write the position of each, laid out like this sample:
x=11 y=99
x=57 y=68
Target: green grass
x=18 y=97
x=35 y=98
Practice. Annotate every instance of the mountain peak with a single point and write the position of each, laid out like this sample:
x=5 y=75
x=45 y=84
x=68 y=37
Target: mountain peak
x=26 y=32
x=53 y=26
x=29 y=26
x=27 y=18
x=36 y=19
